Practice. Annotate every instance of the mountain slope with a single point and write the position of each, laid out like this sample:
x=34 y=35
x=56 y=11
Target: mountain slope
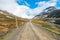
x=9 y=21
x=46 y=12
x=50 y=14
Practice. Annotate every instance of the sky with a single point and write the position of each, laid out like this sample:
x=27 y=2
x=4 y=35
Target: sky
x=27 y=8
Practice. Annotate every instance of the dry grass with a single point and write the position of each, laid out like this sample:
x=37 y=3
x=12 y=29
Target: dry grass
x=7 y=26
x=47 y=25
x=8 y=22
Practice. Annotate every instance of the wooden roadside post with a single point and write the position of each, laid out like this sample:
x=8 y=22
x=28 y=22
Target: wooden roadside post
x=16 y=22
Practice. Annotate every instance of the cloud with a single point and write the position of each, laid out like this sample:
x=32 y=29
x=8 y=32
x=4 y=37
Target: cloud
x=8 y=5
x=12 y=7
x=42 y=5
x=24 y=10
x=27 y=4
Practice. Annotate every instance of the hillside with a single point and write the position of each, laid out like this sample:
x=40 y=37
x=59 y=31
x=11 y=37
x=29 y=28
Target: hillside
x=46 y=12
x=49 y=20
x=55 y=14
x=9 y=21
x=49 y=13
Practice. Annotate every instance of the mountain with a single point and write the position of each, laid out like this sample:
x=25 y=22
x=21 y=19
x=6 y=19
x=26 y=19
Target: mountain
x=49 y=9
x=54 y=14
x=50 y=12
x=46 y=12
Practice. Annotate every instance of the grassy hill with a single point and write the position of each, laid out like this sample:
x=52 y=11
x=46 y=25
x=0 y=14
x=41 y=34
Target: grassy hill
x=47 y=25
x=9 y=22
x=49 y=20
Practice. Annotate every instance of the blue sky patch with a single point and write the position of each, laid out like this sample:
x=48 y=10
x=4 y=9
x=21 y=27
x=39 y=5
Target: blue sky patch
x=32 y=3
x=58 y=4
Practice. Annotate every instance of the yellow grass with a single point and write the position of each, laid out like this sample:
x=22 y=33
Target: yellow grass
x=47 y=25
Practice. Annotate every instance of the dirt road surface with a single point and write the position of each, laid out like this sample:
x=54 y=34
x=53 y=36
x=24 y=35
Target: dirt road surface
x=30 y=32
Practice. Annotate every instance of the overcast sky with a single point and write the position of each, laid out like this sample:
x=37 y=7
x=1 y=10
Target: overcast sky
x=27 y=8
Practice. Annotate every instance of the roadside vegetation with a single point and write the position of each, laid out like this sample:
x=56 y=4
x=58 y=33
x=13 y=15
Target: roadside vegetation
x=47 y=25
x=9 y=22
